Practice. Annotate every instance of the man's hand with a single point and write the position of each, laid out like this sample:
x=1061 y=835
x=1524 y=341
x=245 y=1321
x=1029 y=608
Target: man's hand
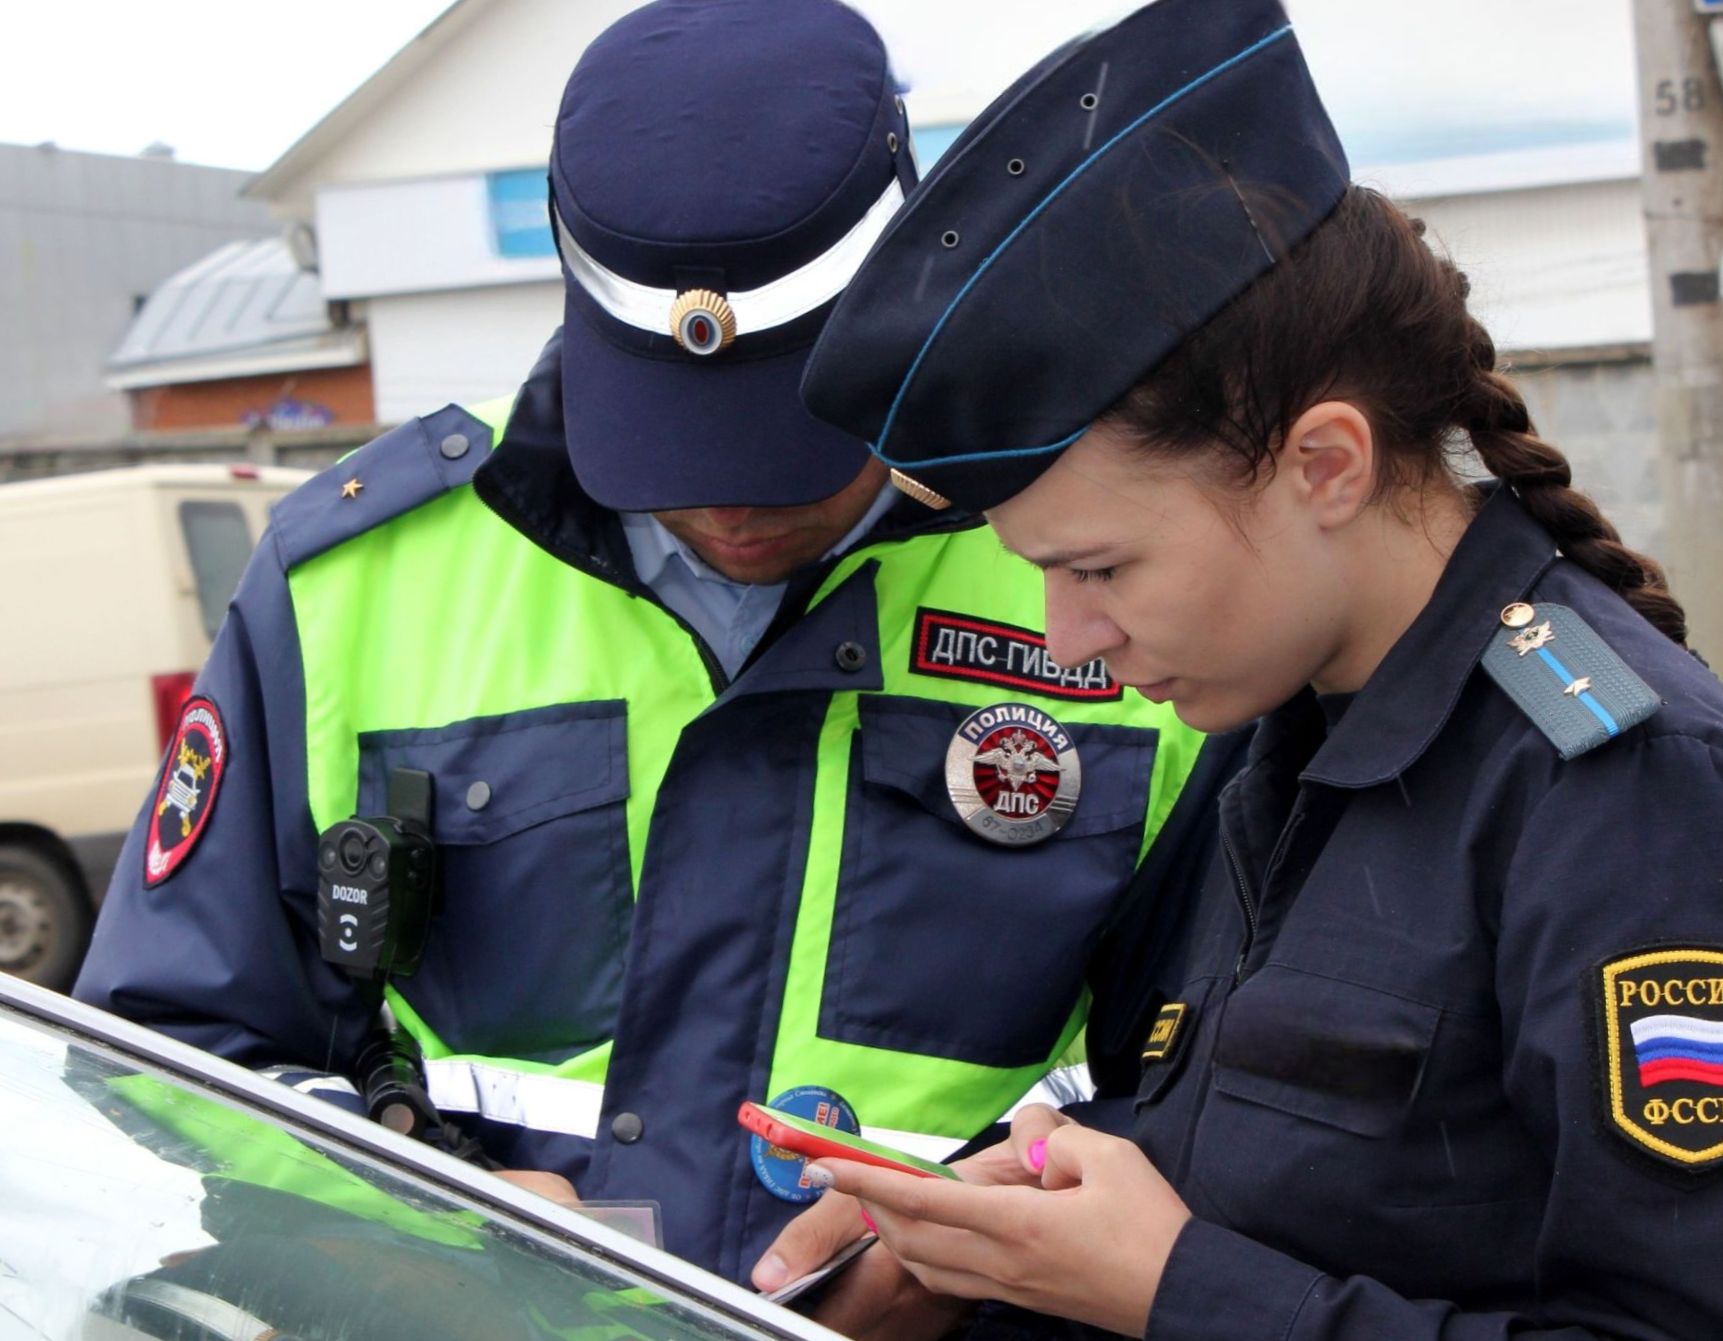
x=552 y=1186
x=873 y=1299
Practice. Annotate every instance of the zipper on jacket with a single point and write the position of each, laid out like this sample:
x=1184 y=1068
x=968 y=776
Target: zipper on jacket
x=806 y=585
x=708 y=658
x=1242 y=889
x=593 y=566
x=604 y=572
x=1282 y=846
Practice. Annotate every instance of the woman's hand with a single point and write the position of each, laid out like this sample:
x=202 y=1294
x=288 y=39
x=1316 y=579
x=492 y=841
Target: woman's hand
x=877 y=1299
x=1089 y=1244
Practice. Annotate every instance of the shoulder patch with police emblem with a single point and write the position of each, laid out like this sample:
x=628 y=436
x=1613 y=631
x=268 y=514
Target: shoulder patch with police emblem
x=1661 y=1039
x=1564 y=677
x=1012 y=773
x=963 y=647
x=191 y=777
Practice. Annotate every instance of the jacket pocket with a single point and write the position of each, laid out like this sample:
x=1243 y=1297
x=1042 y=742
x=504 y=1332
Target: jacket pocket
x=525 y=958
x=1337 y=1053
x=946 y=944
x=1356 y=1118
x=1163 y=1061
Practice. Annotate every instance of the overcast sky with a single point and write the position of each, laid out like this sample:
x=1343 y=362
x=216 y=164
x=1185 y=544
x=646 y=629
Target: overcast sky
x=234 y=82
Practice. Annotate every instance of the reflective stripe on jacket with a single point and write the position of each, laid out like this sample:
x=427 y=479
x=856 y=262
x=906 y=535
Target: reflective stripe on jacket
x=663 y=892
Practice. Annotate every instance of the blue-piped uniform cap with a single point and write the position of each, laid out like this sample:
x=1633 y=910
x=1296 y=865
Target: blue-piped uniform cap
x=720 y=169
x=1085 y=223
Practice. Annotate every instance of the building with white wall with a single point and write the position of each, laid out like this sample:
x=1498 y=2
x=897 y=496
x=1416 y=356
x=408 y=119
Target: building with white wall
x=427 y=190
x=427 y=187
x=1553 y=241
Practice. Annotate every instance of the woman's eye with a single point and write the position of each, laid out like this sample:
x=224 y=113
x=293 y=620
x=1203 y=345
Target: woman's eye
x=1092 y=574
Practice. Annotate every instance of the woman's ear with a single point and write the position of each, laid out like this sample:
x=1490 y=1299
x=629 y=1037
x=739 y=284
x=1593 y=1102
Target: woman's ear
x=1330 y=456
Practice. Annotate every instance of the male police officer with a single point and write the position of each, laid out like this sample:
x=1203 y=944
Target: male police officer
x=731 y=759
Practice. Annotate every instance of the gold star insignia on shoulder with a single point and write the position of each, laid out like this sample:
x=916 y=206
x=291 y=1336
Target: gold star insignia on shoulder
x=1579 y=686
x=1533 y=638
x=351 y=488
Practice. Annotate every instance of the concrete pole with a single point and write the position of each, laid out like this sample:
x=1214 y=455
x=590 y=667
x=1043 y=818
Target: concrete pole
x=1681 y=135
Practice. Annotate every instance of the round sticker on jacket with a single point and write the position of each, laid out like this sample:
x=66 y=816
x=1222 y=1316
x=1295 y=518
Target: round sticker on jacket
x=784 y=1173
x=1013 y=774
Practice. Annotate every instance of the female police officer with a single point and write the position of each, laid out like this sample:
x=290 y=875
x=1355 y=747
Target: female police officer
x=1438 y=1052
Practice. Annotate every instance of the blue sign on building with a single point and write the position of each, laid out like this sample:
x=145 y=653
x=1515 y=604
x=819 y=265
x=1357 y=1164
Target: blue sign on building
x=520 y=219
x=932 y=141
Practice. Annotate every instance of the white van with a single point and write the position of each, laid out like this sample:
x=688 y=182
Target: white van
x=112 y=585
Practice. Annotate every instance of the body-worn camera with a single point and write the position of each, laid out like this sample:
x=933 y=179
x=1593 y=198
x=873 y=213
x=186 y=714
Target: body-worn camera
x=377 y=884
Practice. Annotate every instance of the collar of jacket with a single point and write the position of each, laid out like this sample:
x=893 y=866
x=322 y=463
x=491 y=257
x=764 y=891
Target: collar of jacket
x=1404 y=705
x=530 y=483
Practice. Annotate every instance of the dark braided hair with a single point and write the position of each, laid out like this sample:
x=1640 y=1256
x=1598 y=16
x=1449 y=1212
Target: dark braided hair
x=1363 y=310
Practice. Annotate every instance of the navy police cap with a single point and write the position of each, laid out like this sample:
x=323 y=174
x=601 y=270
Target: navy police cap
x=1105 y=206
x=720 y=169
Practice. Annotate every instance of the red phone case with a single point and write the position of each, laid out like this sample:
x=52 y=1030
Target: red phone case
x=762 y=1123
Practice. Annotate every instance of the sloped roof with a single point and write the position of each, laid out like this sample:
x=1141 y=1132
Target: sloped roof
x=248 y=300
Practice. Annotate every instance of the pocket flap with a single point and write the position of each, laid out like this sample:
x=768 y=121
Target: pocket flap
x=494 y=776
x=904 y=743
x=1336 y=1052
x=1165 y=1064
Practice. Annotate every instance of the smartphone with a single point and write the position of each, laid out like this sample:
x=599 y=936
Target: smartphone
x=810 y=1139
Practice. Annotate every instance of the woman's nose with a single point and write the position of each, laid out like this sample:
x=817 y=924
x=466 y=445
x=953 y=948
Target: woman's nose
x=1077 y=630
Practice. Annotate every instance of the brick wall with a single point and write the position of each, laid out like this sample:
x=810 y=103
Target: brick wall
x=344 y=392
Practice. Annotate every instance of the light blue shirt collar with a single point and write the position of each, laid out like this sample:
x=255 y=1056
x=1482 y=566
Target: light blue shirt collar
x=731 y=617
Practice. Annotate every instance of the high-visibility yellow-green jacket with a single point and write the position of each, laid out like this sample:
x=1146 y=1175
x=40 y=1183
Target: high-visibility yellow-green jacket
x=665 y=892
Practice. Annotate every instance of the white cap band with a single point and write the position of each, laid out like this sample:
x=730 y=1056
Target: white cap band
x=774 y=304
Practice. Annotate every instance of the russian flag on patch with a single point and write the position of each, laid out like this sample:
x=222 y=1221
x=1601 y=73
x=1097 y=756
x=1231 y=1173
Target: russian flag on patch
x=1678 y=1047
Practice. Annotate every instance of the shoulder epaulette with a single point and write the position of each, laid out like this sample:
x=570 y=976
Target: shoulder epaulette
x=1563 y=676
x=390 y=475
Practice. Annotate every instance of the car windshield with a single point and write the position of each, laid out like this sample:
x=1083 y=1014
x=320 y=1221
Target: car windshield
x=135 y=1205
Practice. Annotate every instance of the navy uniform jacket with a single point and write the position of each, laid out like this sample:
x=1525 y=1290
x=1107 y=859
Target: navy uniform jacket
x=1387 y=1098
x=539 y=951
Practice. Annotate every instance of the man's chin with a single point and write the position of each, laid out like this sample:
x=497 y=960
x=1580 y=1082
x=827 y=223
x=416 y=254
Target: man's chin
x=752 y=574
x=760 y=564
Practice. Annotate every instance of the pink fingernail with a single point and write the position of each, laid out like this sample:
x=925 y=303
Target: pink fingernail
x=1038 y=1154
x=867 y=1220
